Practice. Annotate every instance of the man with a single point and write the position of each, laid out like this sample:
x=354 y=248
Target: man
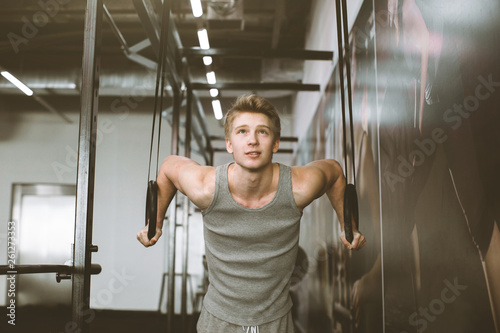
x=251 y=210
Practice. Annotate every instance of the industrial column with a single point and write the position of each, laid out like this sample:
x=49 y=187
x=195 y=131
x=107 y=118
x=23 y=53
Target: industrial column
x=83 y=247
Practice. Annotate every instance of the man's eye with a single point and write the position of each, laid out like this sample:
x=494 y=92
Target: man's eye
x=241 y=131
x=263 y=132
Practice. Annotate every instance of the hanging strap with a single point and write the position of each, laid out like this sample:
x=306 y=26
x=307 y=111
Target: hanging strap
x=152 y=191
x=350 y=195
x=160 y=84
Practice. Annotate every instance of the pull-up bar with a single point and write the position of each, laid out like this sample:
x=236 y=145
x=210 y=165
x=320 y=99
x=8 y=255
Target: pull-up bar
x=36 y=269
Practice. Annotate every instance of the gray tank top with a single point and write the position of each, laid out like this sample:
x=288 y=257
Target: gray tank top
x=250 y=253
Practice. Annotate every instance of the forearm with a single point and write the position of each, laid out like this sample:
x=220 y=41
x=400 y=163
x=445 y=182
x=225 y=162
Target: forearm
x=335 y=194
x=166 y=192
x=166 y=187
x=171 y=178
x=336 y=185
x=332 y=183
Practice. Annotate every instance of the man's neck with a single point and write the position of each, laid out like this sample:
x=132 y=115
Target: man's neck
x=253 y=188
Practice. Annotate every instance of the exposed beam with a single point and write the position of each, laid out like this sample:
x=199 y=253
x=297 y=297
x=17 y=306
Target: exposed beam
x=257 y=53
x=257 y=86
x=282 y=139
x=150 y=23
x=146 y=9
x=278 y=18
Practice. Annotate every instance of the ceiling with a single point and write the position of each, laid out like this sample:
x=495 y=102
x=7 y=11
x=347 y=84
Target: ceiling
x=42 y=44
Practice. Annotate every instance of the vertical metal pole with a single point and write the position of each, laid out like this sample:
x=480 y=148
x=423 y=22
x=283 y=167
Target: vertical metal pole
x=185 y=216
x=189 y=117
x=172 y=224
x=175 y=120
x=185 y=250
x=82 y=255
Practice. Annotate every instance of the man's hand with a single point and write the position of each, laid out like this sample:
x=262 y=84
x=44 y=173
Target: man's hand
x=142 y=236
x=357 y=243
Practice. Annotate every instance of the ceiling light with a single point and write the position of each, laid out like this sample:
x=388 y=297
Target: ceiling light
x=18 y=83
x=196 y=7
x=207 y=60
x=53 y=85
x=203 y=38
x=217 y=109
x=211 y=77
x=214 y=92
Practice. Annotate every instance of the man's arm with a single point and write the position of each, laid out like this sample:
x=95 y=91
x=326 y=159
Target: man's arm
x=179 y=173
x=325 y=177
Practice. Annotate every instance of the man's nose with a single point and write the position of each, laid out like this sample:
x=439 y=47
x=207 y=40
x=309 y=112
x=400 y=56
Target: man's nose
x=253 y=139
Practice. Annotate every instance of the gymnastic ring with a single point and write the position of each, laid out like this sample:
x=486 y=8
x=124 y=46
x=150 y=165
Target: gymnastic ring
x=350 y=211
x=151 y=208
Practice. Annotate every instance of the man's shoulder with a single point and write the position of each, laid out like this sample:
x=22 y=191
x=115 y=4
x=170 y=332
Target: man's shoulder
x=302 y=172
x=305 y=177
x=199 y=184
x=202 y=174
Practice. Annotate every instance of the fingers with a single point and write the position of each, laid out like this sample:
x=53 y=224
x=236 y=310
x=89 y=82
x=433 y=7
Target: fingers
x=156 y=237
x=344 y=240
x=357 y=243
x=142 y=237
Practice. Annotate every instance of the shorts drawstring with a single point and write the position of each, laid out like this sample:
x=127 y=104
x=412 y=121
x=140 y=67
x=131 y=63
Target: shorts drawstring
x=251 y=329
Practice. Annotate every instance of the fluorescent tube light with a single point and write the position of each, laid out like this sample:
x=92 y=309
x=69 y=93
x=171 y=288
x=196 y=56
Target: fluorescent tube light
x=196 y=7
x=211 y=77
x=203 y=38
x=18 y=83
x=217 y=109
x=207 y=60
x=214 y=92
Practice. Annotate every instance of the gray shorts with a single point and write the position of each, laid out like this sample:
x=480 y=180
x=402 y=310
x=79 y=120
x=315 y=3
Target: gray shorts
x=207 y=323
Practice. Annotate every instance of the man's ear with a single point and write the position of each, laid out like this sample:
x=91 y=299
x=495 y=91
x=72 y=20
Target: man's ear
x=276 y=146
x=229 y=146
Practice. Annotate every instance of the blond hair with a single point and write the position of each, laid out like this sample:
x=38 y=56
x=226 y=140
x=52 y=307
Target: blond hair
x=256 y=104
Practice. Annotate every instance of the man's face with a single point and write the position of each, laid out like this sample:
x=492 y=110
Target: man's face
x=251 y=140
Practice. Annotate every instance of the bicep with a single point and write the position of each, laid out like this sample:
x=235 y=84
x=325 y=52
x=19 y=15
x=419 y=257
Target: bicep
x=314 y=180
x=179 y=172
x=328 y=172
x=195 y=181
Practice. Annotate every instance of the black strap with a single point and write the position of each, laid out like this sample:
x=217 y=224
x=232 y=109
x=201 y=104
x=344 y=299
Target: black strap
x=152 y=191
x=350 y=195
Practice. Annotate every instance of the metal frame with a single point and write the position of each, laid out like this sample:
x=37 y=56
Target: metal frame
x=147 y=14
x=256 y=86
x=86 y=163
x=258 y=53
x=130 y=52
x=37 y=269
